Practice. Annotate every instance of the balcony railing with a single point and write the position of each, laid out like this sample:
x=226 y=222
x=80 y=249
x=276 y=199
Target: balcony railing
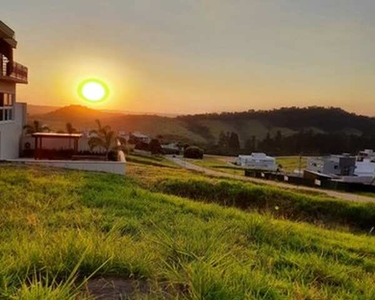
x=12 y=70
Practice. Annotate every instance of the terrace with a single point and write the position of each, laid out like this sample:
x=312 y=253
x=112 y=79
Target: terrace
x=12 y=71
x=69 y=151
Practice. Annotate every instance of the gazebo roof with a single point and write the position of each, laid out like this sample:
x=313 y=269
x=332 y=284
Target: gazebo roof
x=56 y=135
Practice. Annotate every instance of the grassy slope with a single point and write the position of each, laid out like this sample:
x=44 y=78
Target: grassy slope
x=217 y=164
x=289 y=164
x=153 y=160
x=50 y=218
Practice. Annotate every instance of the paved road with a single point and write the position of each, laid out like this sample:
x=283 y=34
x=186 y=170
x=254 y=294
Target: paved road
x=341 y=195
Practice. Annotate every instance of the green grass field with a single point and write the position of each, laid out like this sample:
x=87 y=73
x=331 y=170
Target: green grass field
x=154 y=160
x=288 y=163
x=291 y=163
x=215 y=163
x=60 y=227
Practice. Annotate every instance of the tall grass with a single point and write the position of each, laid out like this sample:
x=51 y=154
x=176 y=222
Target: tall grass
x=189 y=249
x=283 y=203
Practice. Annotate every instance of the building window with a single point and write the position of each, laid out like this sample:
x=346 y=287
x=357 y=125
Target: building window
x=6 y=107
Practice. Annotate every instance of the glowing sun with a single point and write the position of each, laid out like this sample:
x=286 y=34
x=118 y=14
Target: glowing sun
x=93 y=90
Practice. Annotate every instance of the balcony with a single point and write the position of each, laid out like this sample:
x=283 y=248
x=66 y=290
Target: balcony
x=12 y=71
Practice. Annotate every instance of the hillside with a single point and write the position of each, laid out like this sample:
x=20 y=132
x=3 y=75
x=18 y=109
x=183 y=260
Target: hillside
x=159 y=246
x=205 y=129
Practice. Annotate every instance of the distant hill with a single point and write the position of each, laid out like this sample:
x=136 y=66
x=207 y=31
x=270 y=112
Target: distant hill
x=40 y=109
x=204 y=129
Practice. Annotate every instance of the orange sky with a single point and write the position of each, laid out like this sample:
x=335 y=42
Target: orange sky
x=199 y=56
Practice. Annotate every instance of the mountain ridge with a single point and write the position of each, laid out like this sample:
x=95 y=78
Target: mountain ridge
x=205 y=129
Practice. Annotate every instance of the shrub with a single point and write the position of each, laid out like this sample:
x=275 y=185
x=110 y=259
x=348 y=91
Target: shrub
x=155 y=147
x=193 y=152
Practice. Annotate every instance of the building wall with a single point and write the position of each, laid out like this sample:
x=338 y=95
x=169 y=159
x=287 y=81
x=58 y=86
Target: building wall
x=315 y=164
x=365 y=168
x=331 y=167
x=11 y=131
x=256 y=163
x=115 y=167
x=59 y=144
x=7 y=87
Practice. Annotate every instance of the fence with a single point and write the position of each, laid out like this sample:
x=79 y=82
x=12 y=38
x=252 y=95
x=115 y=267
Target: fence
x=319 y=183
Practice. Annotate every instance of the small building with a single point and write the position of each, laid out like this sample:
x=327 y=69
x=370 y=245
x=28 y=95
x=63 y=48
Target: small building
x=258 y=161
x=12 y=114
x=316 y=177
x=171 y=148
x=365 y=163
x=137 y=137
x=340 y=165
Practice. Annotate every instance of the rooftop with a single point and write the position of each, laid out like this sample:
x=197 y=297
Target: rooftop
x=56 y=135
x=7 y=34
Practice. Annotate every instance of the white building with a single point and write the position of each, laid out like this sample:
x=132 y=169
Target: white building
x=12 y=114
x=139 y=137
x=257 y=161
x=339 y=165
x=365 y=163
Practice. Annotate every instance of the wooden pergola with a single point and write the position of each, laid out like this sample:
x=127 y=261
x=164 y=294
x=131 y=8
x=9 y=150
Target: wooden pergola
x=39 y=136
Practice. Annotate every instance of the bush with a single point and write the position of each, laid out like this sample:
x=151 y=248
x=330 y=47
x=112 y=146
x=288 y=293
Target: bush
x=142 y=146
x=193 y=152
x=155 y=147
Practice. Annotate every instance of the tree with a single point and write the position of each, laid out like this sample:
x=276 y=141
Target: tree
x=36 y=126
x=251 y=144
x=155 y=147
x=103 y=137
x=234 y=141
x=69 y=128
x=193 y=152
x=223 y=140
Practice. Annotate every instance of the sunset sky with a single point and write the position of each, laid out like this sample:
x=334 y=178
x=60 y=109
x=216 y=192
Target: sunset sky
x=180 y=56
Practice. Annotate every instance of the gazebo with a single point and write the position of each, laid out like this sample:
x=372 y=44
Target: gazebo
x=39 y=136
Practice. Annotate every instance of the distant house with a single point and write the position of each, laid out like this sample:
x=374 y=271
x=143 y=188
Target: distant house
x=12 y=114
x=340 y=165
x=171 y=148
x=257 y=161
x=365 y=163
x=137 y=137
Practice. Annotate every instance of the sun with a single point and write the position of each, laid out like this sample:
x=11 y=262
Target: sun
x=93 y=90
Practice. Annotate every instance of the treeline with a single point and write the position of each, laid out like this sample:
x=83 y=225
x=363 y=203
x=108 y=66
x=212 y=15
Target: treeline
x=330 y=119
x=303 y=142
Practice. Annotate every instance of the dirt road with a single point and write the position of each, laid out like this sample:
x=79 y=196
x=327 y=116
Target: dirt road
x=341 y=195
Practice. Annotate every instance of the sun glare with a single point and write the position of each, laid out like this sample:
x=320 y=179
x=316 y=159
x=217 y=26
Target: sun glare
x=93 y=90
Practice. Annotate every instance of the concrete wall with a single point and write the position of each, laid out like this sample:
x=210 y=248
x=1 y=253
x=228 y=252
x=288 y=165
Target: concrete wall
x=60 y=144
x=7 y=87
x=115 y=167
x=11 y=131
x=365 y=168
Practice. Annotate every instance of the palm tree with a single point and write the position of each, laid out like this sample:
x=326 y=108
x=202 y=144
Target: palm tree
x=103 y=137
x=69 y=128
x=36 y=127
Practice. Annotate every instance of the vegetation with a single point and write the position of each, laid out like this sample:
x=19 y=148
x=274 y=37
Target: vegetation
x=152 y=160
x=69 y=128
x=286 y=131
x=36 y=126
x=281 y=203
x=217 y=164
x=103 y=138
x=193 y=152
x=228 y=143
x=155 y=147
x=291 y=163
x=86 y=223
